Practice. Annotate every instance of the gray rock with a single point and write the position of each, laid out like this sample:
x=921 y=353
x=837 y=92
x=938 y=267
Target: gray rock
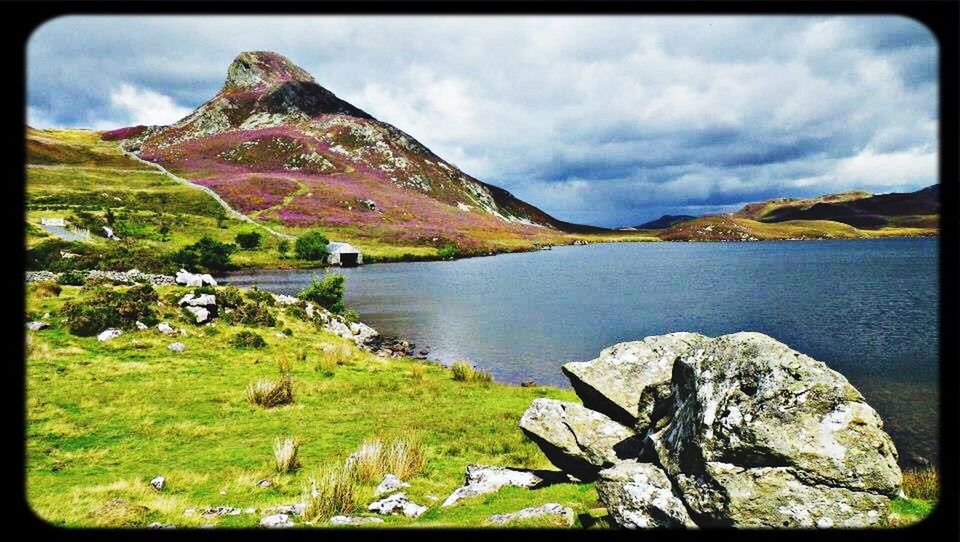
x=397 y=504
x=389 y=484
x=177 y=347
x=141 y=326
x=109 y=334
x=348 y=520
x=630 y=382
x=481 y=480
x=218 y=511
x=763 y=435
x=549 y=509
x=639 y=495
x=158 y=483
x=576 y=439
x=289 y=509
x=276 y=521
x=158 y=525
x=165 y=329
x=37 y=325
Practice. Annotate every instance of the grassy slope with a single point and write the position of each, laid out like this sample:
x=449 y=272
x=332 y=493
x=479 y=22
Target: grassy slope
x=730 y=227
x=105 y=418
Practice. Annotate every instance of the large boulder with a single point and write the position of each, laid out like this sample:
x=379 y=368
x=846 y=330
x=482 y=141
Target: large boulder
x=482 y=479
x=576 y=439
x=630 y=382
x=762 y=435
x=639 y=495
x=189 y=279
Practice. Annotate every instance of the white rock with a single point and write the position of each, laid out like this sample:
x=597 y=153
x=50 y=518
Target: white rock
x=549 y=509
x=165 y=328
x=189 y=279
x=141 y=326
x=264 y=483
x=204 y=300
x=397 y=504
x=289 y=509
x=389 y=484
x=282 y=299
x=482 y=480
x=200 y=313
x=347 y=520
x=37 y=325
x=109 y=334
x=177 y=347
x=276 y=521
x=158 y=483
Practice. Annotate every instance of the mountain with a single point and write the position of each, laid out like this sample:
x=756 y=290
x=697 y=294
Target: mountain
x=663 y=222
x=859 y=209
x=284 y=150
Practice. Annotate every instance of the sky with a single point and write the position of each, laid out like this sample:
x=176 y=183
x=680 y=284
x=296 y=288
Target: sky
x=610 y=121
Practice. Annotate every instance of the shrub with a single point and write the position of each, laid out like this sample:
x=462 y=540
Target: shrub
x=257 y=295
x=46 y=288
x=283 y=247
x=330 y=356
x=251 y=314
x=401 y=456
x=72 y=278
x=922 y=484
x=287 y=331
x=285 y=454
x=45 y=256
x=463 y=371
x=129 y=254
x=206 y=255
x=311 y=246
x=448 y=251
x=248 y=240
x=326 y=292
x=332 y=492
x=247 y=339
x=270 y=393
x=111 y=308
x=417 y=372
x=229 y=296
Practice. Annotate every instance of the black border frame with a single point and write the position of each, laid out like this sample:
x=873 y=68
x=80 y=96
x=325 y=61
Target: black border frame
x=941 y=17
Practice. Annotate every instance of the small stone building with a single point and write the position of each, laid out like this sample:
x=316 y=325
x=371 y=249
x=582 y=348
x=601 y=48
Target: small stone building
x=343 y=254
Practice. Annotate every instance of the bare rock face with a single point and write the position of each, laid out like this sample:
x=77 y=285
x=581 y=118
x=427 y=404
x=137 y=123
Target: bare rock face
x=563 y=513
x=481 y=480
x=398 y=503
x=763 y=435
x=576 y=439
x=630 y=382
x=640 y=495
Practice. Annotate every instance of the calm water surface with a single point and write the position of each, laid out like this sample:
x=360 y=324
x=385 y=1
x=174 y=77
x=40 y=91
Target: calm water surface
x=869 y=309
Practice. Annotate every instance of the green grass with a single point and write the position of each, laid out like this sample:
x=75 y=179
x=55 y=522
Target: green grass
x=104 y=418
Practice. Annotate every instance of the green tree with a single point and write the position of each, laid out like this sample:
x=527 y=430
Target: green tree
x=311 y=246
x=206 y=255
x=248 y=240
x=283 y=247
x=326 y=292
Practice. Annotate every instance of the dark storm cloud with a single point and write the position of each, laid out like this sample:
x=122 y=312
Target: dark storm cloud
x=608 y=120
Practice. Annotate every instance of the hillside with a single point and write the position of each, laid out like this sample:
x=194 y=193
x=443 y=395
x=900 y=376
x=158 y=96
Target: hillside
x=288 y=152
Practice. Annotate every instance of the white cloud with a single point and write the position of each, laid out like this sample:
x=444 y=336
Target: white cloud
x=144 y=106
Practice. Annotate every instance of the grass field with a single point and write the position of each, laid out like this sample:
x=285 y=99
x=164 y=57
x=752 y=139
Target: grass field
x=103 y=419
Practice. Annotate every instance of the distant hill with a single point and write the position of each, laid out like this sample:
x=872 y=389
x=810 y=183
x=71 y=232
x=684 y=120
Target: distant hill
x=663 y=222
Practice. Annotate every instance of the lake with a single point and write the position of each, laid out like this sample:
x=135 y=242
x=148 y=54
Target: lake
x=867 y=308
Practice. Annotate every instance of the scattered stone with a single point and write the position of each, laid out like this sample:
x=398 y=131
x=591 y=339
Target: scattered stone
x=280 y=335
x=201 y=314
x=289 y=509
x=264 y=483
x=165 y=329
x=250 y=510
x=389 y=484
x=205 y=300
x=481 y=480
x=158 y=483
x=630 y=382
x=141 y=326
x=219 y=511
x=37 y=325
x=528 y=383
x=639 y=495
x=157 y=525
x=397 y=504
x=109 y=334
x=347 y=520
x=189 y=279
x=282 y=299
x=549 y=509
x=576 y=439
x=177 y=347
x=276 y=521
x=189 y=512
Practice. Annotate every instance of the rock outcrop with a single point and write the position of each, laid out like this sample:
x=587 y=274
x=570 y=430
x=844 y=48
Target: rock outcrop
x=738 y=431
x=398 y=503
x=481 y=479
x=562 y=513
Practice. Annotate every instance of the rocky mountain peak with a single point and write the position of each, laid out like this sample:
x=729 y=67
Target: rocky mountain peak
x=255 y=69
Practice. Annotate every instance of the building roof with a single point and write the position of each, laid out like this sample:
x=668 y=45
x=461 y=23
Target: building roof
x=337 y=246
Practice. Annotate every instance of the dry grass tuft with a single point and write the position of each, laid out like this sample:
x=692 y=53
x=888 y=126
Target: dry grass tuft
x=333 y=492
x=417 y=372
x=285 y=454
x=922 y=484
x=270 y=393
x=401 y=456
x=46 y=288
x=463 y=371
x=119 y=513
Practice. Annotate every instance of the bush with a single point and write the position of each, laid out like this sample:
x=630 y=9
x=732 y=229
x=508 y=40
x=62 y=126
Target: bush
x=260 y=296
x=206 y=255
x=332 y=492
x=331 y=356
x=401 y=456
x=248 y=240
x=463 y=371
x=72 y=278
x=922 y=484
x=270 y=393
x=326 y=292
x=311 y=246
x=46 y=288
x=283 y=247
x=111 y=308
x=285 y=454
x=448 y=251
x=247 y=339
x=251 y=314
x=45 y=256
x=229 y=296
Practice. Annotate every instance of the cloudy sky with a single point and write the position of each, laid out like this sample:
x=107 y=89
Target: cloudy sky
x=609 y=121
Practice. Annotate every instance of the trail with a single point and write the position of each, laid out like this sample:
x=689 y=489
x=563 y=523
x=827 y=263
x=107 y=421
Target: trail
x=230 y=210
